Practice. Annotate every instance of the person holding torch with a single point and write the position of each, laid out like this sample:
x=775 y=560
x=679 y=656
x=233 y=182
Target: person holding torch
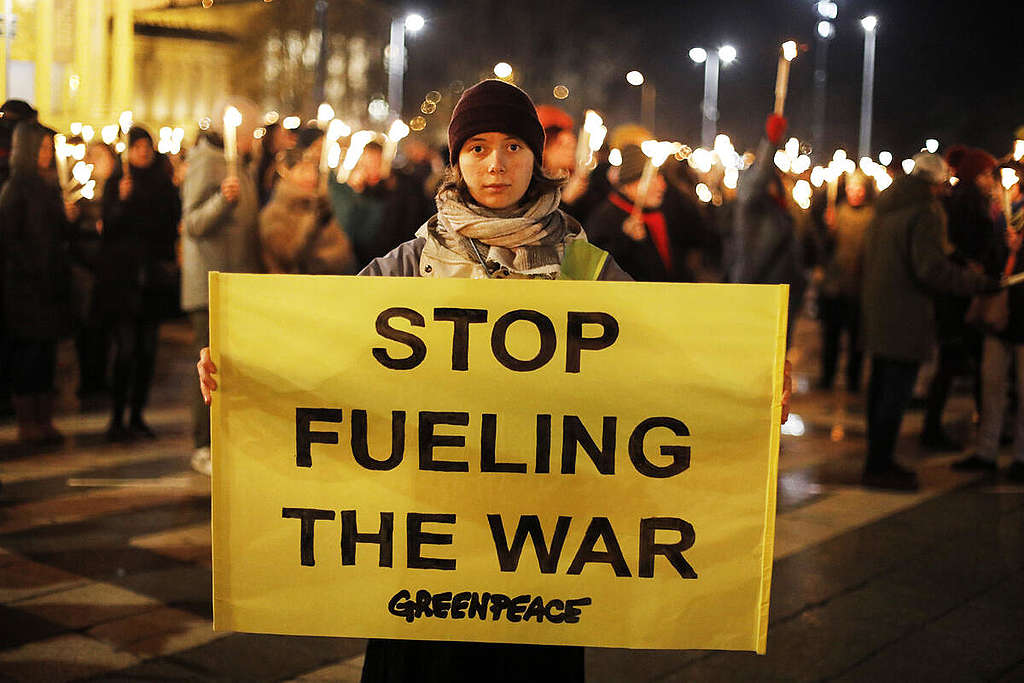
x=1005 y=347
x=35 y=227
x=220 y=205
x=631 y=225
x=497 y=218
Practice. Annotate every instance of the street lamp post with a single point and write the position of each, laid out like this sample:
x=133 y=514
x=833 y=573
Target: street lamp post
x=320 y=75
x=870 y=25
x=648 y=95
x=396 y=59
x=827 y=12
x=709 y=108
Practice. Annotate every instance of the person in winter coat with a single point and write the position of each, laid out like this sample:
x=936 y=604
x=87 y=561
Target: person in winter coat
x=488 y=215
x=579 y=198
x=277 y=140
x=12 y=112
x=92 y=340
x=840 y=288
x=972 y=238
x=497 y=217
x=376 y=210
x=763 y=246
x=298 y=233
x=645 y=248
x=35 y=233
x=1001 y=349
x=219 y=233
x=137 y=273
x=905 y=265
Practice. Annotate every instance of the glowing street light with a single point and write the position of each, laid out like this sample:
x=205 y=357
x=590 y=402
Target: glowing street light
x=414 y=22
x=648 y=93
x=411 y=23
x=932 y=145
x=827 y=9
x=825 y=29
x=503 y=70
x=869 y=23
x=711 y=59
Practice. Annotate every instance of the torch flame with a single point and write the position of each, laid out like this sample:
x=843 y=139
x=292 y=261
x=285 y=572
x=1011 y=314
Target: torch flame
x=232 y=117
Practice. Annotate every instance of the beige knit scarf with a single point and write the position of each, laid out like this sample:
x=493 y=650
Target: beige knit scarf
x=524 y=241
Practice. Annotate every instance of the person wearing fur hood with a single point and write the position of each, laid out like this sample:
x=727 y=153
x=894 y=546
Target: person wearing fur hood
x=298 y=233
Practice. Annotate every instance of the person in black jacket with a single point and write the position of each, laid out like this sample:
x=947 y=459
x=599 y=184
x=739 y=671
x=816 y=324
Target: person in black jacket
x=1003 y=348
x=972 y=236
x=35 y=230
x=645 y=248
x=137 y=283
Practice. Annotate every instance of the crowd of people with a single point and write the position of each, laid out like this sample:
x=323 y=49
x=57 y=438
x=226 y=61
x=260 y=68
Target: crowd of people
x=895 y=276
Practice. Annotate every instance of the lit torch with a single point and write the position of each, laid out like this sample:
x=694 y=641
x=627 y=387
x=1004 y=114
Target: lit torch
x=590 y=139
x=60 y=153
x=1009 y=178
x=782 y=75
x=398 y=130
x=336 y=129
x=232 y=120
x=355 y=150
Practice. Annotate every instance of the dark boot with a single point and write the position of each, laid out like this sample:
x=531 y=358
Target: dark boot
x=44 y=418
x=25 y=414
x=935 y=439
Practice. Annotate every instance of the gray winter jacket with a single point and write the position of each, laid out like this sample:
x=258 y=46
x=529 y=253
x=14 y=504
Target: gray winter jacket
x=217 y=235
x=905 y=265
x=404 y=261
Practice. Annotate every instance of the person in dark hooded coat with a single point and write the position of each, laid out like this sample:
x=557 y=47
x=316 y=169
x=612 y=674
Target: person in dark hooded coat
x=137 y=282
x=35 y=232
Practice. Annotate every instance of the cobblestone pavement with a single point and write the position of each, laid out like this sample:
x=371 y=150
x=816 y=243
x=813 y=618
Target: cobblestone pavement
x=105 y=560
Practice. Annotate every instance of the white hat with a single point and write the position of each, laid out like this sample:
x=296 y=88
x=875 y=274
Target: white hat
x=251 y=115
x=930 y=167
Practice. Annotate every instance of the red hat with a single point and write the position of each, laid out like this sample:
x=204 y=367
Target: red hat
x=495 y=106
x=552 y=117
x=970 y=162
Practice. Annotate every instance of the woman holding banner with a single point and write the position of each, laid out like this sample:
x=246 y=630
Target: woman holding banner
x=497 y=217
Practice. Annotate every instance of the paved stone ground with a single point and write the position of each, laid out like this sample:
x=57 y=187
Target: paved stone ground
x=105 y=561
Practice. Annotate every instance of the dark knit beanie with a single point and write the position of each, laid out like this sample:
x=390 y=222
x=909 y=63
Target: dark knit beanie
x=633 y=163
x=306 y=136
x=136 y=133
x=494 y=106
x=969 y=163
x=18 y=110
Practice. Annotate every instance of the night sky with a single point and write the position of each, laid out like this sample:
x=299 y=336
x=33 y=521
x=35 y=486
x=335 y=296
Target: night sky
x=946 y=69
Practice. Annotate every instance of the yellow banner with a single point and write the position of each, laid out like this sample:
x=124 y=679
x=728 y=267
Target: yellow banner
x=572 y=463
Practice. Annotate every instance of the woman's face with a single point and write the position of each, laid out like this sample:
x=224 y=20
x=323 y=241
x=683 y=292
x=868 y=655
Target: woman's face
x=45 y=153
x=560 y=152
x=856 y=193
x=140 y=154
x=99 y=156
x=497 y=168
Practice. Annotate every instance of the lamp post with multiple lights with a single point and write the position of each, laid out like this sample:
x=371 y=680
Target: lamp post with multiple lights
x=711 y=59
x=396 y=58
